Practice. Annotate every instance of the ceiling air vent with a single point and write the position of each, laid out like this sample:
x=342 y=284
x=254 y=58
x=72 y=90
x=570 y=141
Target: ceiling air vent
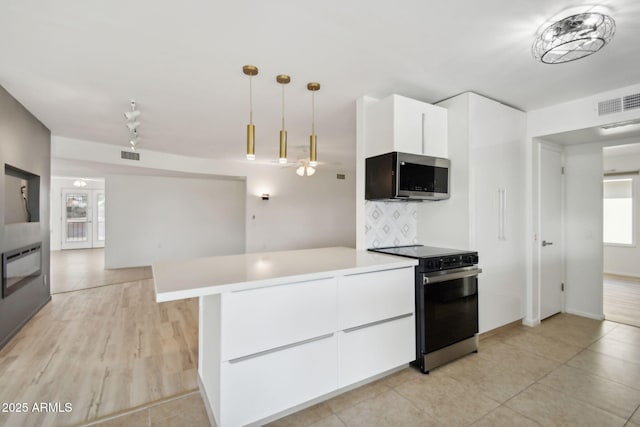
x=631 y=102
x=610 y=106
x=128 y=155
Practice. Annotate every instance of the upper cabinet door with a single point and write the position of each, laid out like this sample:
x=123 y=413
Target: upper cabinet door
x=397 y=123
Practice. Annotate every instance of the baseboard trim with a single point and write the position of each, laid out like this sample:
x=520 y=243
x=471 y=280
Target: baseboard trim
x=584 y=314
x=17 y=329
x=500 y=329
x=622 y=276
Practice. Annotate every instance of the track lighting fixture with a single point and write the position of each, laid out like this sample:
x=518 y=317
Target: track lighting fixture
x=133 y=124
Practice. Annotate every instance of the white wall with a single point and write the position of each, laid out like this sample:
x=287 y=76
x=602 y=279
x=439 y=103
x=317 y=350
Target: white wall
x=302 y=212
x=57 y=185
x=574 y=115
x=617 y=259
x=152 y=218
x=583 y=230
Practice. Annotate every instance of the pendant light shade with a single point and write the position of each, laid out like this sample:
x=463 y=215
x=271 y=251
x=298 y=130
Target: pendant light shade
x=313 y=154
x=573 y=37
x=250 y=70
x=283 y=79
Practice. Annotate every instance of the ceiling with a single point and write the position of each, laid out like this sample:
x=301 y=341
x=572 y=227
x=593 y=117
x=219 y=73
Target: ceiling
x=76 y=64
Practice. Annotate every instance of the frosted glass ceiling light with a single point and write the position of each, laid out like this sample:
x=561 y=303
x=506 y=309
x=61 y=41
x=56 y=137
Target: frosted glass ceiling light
x=250 y=70
x=573 y=37
x=313 y=160
x=283 y=79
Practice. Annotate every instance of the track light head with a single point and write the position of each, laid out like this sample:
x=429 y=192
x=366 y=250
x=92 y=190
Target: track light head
x=133 y=125
x=131 y=115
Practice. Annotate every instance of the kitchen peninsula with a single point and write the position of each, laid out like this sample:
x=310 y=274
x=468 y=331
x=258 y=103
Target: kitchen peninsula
x=281 y=330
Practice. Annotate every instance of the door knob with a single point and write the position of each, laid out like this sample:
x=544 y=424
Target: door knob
x=545 y=243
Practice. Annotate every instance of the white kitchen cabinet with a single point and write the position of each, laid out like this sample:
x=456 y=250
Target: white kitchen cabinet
x=257 y=387
x=397 y=123
x=266 y=318
x=371 y=349
x=486 y=208
x=370 y=297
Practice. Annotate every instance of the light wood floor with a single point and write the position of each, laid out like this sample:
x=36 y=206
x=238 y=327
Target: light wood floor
x=622 y=299
x=103 y=350
x=76 y=269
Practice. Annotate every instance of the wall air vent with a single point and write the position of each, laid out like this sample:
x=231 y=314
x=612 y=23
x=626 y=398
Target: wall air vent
x=128 y=155
x=631 y=102
x=609 y=106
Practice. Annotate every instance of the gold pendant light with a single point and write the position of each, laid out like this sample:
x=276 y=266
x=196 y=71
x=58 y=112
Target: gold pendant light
x=313 y=155
x=250 y=70
x=283 y=79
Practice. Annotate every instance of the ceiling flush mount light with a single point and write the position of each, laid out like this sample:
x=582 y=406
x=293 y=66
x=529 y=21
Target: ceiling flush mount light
x=283 y=79
x=79 y=183
x=250 y=70
x=573 y=37
x=313 y=154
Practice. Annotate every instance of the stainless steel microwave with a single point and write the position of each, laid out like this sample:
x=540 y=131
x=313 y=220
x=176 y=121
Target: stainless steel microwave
x=404 y=176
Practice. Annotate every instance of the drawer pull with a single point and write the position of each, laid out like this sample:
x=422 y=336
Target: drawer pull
x=378 y=322
x=282 y=347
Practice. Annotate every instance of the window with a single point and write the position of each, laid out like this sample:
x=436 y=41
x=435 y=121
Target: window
x=618 y=211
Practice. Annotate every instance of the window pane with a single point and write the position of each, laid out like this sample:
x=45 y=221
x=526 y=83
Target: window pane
x=618 y=211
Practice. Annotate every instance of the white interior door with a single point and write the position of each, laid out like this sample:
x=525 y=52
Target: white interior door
x=550 y=239
x=76 y=219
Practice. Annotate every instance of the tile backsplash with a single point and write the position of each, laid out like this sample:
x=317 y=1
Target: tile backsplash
x=390 y=224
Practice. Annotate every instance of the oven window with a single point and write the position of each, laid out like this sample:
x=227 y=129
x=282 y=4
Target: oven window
x=451 y=312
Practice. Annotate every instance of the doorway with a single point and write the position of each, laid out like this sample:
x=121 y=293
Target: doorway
x=621 y=272
x=83 y=219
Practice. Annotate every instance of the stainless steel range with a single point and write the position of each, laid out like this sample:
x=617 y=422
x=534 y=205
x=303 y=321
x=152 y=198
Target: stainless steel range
x=446 y=303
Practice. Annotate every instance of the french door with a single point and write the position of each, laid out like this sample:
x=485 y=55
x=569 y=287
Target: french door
x=83 y=219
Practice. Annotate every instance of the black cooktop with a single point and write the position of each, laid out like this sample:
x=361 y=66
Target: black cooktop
x=433 y=258
x=419 y=251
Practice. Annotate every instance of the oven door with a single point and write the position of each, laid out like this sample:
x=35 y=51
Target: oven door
x=449 y=301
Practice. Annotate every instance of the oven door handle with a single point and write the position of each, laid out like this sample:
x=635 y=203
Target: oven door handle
x=445 y=277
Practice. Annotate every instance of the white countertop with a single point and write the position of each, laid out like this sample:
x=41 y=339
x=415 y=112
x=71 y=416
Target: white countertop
x=176 y=280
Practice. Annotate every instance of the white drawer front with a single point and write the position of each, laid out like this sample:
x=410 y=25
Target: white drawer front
x=261 y=319
x=369 y=297
x=371 y=350
x=260 y=386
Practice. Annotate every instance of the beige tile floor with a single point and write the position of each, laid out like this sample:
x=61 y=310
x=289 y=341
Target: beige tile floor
x=76 y=269
x=569 y=371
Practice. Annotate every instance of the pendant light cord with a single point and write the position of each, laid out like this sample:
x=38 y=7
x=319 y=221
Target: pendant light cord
x=282 y=106
x=313 y=112
x=250 y=100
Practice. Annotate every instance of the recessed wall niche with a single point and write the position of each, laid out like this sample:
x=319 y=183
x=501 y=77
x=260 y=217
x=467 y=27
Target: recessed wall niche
x=21 y=196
